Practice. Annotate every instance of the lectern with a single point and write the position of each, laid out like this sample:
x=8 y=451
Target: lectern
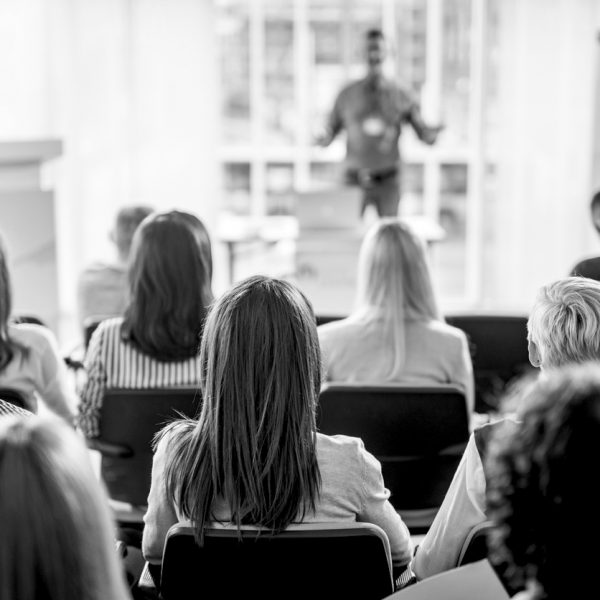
x=27 y=226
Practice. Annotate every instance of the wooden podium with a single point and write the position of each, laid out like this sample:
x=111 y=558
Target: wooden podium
x=28 y=229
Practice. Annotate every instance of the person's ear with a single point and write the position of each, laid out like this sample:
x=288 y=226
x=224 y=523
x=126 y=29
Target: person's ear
x=535 y=357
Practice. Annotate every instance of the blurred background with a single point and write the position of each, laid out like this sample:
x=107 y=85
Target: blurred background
x=212 y=106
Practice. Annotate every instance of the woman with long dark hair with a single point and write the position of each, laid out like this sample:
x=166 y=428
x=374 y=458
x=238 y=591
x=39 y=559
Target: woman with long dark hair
x=156 y=343
x=254 y=456
x=30 y=360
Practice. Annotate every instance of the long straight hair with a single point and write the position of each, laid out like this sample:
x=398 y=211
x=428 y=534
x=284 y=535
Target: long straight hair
x=169 y=277
x=394 y=284
x=57 y=536
x=254 y=445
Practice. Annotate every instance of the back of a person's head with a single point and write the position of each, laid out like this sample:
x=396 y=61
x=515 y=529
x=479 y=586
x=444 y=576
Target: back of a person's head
x=57 y=538
x=169 y=277
x=374 y=34
x=393 y=274
x=565 y=320
x=126 y=222
x=254 y=444
x=542 y=491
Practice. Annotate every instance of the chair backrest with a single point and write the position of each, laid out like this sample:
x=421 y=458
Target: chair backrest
x=24 y=318
x=13 y=396
x=475 y=546
x=89 y=326
x=498 y=350
x=325 y=560
x=130 y=418
x=418 y=433
x=323 y=319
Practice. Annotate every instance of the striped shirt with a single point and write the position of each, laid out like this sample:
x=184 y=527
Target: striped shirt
x=113 y=363
x=8 y=409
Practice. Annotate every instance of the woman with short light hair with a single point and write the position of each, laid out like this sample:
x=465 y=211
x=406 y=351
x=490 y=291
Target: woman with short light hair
x=564 y=323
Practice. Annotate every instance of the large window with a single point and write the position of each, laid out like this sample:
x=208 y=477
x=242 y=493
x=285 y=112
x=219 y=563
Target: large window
x=282 y=63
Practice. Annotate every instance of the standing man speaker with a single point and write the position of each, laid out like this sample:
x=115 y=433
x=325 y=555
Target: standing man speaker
x=372 y=111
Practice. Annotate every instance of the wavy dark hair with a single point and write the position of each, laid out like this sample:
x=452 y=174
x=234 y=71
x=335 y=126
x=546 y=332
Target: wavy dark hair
x=542 y=487
x=254 y=445
x=169 y=276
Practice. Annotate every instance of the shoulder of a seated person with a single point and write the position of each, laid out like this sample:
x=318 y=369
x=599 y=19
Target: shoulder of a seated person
x=341 y=445
x=32 y=335
x=337 y=330
x=173 y=433
x=439 y=329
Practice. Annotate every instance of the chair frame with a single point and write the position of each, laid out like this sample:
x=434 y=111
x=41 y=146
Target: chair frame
x=215 y=535
x=396 y=425
x=125 y=448
x=14 y=397
x=475 y=534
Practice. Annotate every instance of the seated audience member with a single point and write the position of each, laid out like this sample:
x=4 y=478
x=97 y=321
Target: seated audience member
x=30 y=361
x=563 y=328
x=102 y=287
x=260 y=383
x=542 y=492
x=57 y=537
x=396 y=332
x=156 y=343
x=590 y=267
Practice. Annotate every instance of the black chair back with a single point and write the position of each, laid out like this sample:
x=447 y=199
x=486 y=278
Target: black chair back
x=14 y=397
x=418 y=433
x=89 y=326
x=30 y=319
x=129 y=420
x=321 y=561
x=499 y=352
x=475 y=546
x=323 y=319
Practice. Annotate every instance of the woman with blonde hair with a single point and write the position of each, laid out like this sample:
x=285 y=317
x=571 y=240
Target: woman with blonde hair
x=57 y=536
x=254 y=456
x=396 y=332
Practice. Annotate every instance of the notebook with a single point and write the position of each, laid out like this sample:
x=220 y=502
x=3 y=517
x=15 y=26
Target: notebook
x=475 y=581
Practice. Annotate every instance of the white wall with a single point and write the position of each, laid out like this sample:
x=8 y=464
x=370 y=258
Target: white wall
x=131 y=88
x=547 y=106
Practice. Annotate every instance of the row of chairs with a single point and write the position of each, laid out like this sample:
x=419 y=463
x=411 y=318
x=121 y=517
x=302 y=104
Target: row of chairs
x=324 y=560
x=498 y=346
x=418 y=433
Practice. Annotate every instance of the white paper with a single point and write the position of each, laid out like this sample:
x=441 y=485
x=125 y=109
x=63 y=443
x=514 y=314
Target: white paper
x=475 y=581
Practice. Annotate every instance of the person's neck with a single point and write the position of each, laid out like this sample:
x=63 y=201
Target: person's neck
x=375 y=74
